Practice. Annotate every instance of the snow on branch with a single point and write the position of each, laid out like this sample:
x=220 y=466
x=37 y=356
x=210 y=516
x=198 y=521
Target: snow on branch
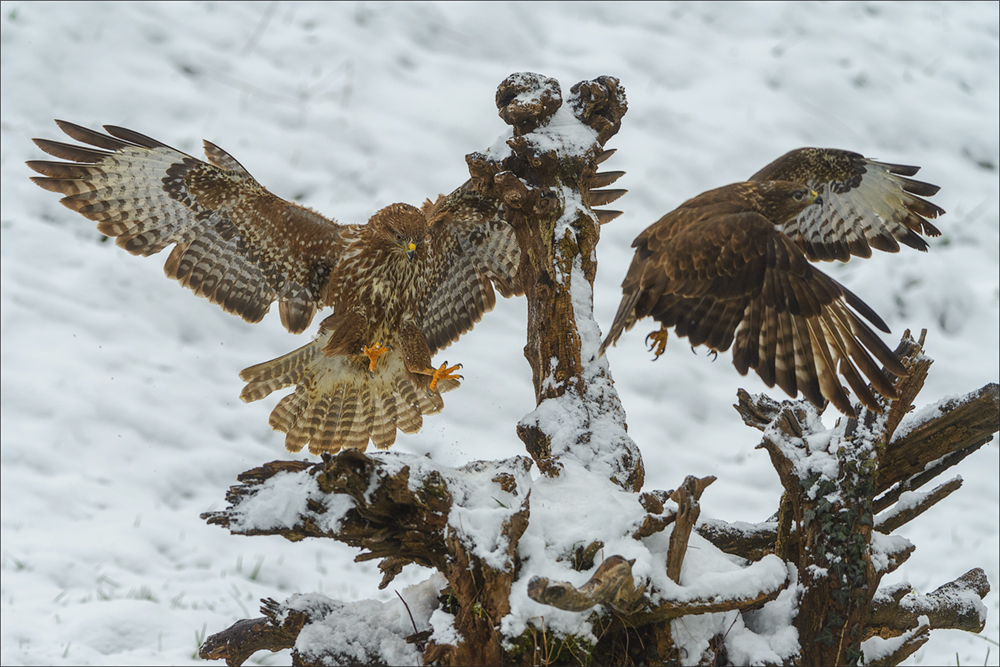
x=956 y=605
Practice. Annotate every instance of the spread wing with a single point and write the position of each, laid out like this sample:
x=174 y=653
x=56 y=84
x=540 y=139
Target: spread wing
x=731 y=279
x=236 y=244
x=475 y=252
x=864 y=204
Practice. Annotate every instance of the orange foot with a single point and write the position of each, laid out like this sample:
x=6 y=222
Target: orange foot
x=444 y=372
x=373 y=353
x=657 y=342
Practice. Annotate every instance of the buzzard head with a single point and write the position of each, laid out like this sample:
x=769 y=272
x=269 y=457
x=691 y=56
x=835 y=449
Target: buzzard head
x=399 y=230
x=783 y=200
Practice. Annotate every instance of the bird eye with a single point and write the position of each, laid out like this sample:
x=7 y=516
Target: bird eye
x=399 y=237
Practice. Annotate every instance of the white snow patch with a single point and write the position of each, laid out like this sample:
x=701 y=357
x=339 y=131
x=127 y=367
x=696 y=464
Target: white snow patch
x=278 y=503
x=884 y=546
x=564 y=134
x=443 y=624
x=368 y=630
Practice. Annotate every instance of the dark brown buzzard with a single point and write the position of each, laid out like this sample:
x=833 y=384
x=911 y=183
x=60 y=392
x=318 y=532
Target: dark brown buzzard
x=402 y=287
x=731 y=268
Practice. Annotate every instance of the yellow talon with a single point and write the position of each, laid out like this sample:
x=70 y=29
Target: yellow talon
x=657 y=342
x=374 y=352
x=444 y=372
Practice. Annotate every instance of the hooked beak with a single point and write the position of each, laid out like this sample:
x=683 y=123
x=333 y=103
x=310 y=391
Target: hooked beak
x=411 y=250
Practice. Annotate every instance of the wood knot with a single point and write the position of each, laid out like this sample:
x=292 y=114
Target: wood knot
x=600 y=104
x=512 y=191
x=482 y=170
x=547 y=204
x=526 y=100
x=507 y=482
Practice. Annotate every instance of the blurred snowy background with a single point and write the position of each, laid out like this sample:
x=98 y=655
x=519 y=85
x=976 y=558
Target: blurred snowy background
x=121 y=420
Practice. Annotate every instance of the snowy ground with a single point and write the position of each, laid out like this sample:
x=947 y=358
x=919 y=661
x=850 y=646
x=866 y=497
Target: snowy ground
x=121 y=421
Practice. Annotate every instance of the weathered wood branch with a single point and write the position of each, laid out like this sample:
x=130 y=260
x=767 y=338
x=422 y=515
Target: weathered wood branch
x=387 y=519
x=611 y=585
x=760 y=410
x=955 y=605
x=751 y=541
x=278 y=629
x=754 y=541
x=658 y=518
x=900 y=516
x=686 y=497
x=237 y=643
x=957 y=428
x=910 y=353
x=285 y=624
x=653 y=524
x=892 y=559
x=913 y=640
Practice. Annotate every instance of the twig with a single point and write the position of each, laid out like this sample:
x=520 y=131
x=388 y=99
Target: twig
x=412 y=622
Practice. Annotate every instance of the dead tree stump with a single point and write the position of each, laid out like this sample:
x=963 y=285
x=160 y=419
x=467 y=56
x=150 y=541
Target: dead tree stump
x=504 y=592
